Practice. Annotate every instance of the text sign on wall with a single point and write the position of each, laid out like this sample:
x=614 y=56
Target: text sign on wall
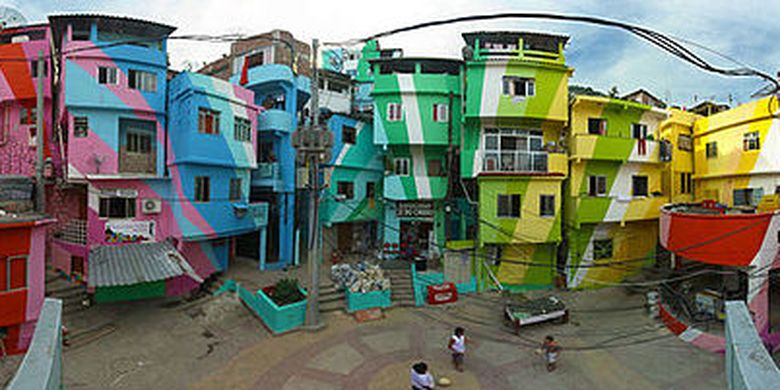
x=414 y=210
x=129 y=231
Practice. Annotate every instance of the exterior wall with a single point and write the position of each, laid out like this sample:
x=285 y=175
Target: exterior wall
x=628 y=220
x=734 y=168
x=18 y=92
x=20 y=307
x=679 y=124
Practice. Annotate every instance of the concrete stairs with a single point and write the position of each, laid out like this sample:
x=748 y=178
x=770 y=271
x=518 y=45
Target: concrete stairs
x=71 y=294
x=401 y=286
x=332 y=299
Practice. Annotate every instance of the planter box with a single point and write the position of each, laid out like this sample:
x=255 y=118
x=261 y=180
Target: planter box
x=279 y=319
x=369 y=300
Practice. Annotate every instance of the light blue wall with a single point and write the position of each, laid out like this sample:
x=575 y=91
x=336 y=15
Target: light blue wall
x=748 y=364
x=42 y=365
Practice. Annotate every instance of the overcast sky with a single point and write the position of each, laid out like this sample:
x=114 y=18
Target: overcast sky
x=602 y=57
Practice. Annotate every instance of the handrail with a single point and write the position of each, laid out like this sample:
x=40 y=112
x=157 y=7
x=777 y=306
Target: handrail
x=492 y=276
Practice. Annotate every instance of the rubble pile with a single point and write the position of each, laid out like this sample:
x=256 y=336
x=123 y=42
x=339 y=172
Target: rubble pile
x=360 y=277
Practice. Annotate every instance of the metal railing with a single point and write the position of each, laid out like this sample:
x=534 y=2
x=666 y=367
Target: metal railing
x=515 y=162
x=74 y=231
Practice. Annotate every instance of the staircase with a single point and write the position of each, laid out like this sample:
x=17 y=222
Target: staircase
x=71 y=294
x=401 y=287
x=331 y=299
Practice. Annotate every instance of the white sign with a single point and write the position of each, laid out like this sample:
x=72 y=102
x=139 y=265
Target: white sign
x=129 y=231
x=415 y=209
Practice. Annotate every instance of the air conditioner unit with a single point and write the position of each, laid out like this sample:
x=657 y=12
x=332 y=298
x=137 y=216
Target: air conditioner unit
x=152 y=206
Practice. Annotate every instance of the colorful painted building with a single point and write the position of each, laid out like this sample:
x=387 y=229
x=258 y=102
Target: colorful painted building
x=156 y=172
x=516 y=108
x=416 y=123
x=352 y=209
x=282 y=93
x=18 y=92
x=615 y=190
x=677 y=177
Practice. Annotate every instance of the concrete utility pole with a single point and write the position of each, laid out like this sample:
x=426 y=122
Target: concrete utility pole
x=40 y=188
x=313 y=146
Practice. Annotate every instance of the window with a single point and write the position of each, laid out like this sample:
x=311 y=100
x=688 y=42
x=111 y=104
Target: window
x=394 y=112
x=514 y=150
x=13 y=273
x=80 y=31
x=434 y=168
x=518 y=86
x=242 y=129
x=27 y=116
x=32 y=136
x=685 y=143
x=686 y=183
x=108 y=75
x=639 y=185
x=748 y=196
x=751 y=141
x=117 y=207
x=202 y=188
x=712 y=149
x=34 y=69
x=80 y=126
x=255 y=59
x=546 y=205
x=265 y=152
x=370 y=190
x=348 y=135
x=602 y=249
x=208 y=121
x=597 y=126
x=441 y=113
x=508 y=206
x=139 y=143
x=144 y=81
x=346 y=189
x=639 y=131
x=235 y=190
x=401 y=166
x=597 y=185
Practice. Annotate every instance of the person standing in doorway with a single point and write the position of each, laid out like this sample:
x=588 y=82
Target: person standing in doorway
x=421 y=378
x=457 y=345
x=550 y=350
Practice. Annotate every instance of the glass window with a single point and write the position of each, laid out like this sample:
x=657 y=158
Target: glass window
x=748 y=196
x=514 y=150
x=346 y=189
x=597 y=126
x=441 y=113
x=394 y=112
x=255 y=59
x=712 y=149
x=639 y=185
x=685 y=143
x=547 y=205
x=208 y=121
x=242 y=129
x=751 y=141
x=401 y=166
x=602 y=249
x=508 y=206
x=348 y=135
x=518 y=86
x=117 y=207
x=639 y=131
x=139 y=143
x=144 y=81
x=80 y=126
x=597 y=185
x=202 y=188
x=108 y=75
x=235 y=190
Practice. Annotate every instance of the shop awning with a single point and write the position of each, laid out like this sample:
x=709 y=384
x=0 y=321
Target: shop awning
x=122 y=265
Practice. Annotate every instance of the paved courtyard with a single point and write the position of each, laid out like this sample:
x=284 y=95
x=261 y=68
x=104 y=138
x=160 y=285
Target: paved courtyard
x=215 y=343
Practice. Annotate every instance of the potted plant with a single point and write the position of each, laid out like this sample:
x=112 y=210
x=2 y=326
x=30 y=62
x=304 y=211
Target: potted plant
x=282 y=306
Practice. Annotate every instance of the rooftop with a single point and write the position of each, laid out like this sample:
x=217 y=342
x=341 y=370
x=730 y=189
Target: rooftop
x=510 y=37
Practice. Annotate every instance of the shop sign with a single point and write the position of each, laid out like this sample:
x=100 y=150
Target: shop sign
x=414 y=210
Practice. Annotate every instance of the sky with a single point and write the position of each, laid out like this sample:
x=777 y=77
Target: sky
x=602 y=57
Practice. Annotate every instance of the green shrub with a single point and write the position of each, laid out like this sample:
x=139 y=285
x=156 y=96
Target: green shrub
x=287 y=291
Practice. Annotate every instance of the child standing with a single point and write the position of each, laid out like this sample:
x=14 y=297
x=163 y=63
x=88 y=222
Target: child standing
x=457 y=345
x=551 y=349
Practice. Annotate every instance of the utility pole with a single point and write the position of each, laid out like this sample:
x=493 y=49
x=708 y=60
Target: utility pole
x=313 y=146
x=40 y=188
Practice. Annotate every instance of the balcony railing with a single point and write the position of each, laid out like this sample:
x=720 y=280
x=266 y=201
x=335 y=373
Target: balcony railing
x=268 y=171
x=74 y=231
x=515 y=162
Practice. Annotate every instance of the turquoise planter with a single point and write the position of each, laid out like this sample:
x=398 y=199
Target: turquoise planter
x=280 y=319
x=369 y=300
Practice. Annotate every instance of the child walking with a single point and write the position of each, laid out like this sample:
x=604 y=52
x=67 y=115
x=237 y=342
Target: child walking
x=457 y=345
x=551 y=349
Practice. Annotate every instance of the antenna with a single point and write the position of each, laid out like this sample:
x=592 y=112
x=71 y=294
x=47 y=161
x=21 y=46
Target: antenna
x=11 y=17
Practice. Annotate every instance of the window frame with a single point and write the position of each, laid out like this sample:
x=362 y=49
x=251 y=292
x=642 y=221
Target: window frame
x=106 y=209
x=598 y=182
x=202 y=189
x=242 y=129
x=642 y=130
x=510 y=209
x=531 y=158
x=235 y=189
x=346 y=188
x=509 y=86
x=142 y=143
x=8 y=267
x=80 y=126
x=348 y=135
x=441 y=113
x=603 y=123
x=603 y=249
x=403 y=163
x=711 y=149
x=686 y=146
x=394 y=112
x=634 y=179
x=751 y=141
x=205 y=114
x=109 y=71
x=142 y=80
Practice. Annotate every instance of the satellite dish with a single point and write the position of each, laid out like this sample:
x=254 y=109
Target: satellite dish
x=10 y=17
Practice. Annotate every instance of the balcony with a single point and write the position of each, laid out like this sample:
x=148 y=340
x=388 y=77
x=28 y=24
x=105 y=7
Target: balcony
x=275 y=120
x=599 y=147
x=598 y=209
x=259 y=213
x=74 y=232
x=267 y=175
x=535 y=163
x=714 y=235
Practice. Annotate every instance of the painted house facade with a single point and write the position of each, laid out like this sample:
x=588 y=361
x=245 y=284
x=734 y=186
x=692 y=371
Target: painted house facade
x=515 y=113
x=615 y=189
x=18 y=92
x=141 y=191
x=416 y=115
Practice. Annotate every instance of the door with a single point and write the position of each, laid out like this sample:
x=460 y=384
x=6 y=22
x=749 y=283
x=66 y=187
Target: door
x=344 y=239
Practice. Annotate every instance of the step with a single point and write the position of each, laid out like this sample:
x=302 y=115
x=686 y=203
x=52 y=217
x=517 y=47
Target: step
x=333 y=306
x=66 y=294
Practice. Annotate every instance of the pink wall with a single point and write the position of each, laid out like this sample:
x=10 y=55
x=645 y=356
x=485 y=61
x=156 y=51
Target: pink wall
x=36 y=271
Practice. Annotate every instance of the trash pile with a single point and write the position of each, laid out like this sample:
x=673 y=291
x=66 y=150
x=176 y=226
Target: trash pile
x=360 y=277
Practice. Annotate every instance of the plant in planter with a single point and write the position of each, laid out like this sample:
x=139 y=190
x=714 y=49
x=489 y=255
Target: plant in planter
x=285 y=292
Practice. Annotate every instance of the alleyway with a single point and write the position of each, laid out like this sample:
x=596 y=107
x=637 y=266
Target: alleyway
x=217 y=343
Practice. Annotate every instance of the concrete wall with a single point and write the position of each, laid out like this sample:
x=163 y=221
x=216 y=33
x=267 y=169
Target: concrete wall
x=748 y=364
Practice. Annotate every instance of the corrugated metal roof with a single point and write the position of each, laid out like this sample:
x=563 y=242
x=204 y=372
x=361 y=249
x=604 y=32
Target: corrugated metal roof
x=122 y=265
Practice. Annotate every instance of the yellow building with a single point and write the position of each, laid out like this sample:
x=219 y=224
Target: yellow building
x=677 y=179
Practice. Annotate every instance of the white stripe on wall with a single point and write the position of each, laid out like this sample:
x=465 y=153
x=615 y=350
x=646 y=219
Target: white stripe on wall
x=410 y=108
